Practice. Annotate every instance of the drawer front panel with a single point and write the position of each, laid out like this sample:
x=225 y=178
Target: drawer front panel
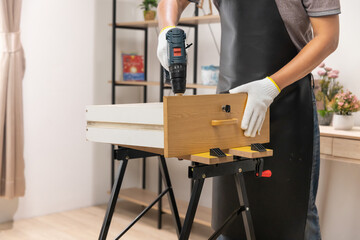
x=326 y=144
x=346 y=148
x=194 y=124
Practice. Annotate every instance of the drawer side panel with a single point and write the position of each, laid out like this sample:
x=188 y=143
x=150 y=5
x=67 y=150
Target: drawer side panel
x=130 y=137
x=139 y=113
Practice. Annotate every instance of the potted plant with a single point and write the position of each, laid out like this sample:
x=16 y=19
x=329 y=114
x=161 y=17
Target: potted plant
x=147 y=5
x=344 y=104
x=329 y=87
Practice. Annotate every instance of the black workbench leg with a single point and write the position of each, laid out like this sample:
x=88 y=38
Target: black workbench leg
x=190 y=214
x=171 y=196
x=143 y=173
x=112 y=175
x=246 y=215
x=160 y=201
x=112 y=202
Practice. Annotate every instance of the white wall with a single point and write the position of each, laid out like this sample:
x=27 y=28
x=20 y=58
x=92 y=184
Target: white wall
x=338 y=200
x=338 y=186
x=58 y=38
x=346 y=57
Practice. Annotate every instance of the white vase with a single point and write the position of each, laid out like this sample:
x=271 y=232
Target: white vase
x=343 y=122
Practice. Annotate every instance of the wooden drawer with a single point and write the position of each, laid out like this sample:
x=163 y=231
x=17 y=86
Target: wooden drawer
x=326 y=145
x=346 y=148
x=181 y=126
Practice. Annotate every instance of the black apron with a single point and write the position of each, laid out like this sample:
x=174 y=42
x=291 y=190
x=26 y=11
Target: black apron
x=256 y=44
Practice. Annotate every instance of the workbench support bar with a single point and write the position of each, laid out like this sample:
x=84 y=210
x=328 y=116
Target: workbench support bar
x=142 y=214
x=229 y=220
x=171 y=195
x=190 y=214
x=246 y=215
x=113 y=199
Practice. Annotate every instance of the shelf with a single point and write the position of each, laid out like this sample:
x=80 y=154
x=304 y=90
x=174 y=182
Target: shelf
x=145 y=197
x=152 y=83
x=183 y=21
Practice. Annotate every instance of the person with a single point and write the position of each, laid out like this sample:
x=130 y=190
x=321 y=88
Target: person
x=268 y=50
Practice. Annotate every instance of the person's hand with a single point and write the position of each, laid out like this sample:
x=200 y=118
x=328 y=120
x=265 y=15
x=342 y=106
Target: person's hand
x=162 y=50
x=261 y=94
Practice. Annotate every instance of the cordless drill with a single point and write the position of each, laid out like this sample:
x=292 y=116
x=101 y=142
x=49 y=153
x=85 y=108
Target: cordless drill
x=177 y=61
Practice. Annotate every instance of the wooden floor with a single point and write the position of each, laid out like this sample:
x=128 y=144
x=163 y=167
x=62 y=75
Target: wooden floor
x=85 y=223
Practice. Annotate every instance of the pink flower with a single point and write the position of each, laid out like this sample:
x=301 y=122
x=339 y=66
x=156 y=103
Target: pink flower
x=322 y=65
x=332 y=75
x=340 y=103
x=321 y=73
x=356 y=106
x=328 y=69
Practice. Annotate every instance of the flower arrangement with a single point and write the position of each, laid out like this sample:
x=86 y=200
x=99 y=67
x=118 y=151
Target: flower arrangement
x=329 y=87
x=345 y=103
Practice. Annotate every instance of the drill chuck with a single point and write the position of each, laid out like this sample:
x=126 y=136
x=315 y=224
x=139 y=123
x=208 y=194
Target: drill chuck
x=178 y=77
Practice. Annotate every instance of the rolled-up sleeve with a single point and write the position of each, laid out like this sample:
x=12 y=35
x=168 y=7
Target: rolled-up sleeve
x=319 y=8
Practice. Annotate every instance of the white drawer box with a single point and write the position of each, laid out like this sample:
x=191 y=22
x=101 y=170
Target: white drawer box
x=182 y=126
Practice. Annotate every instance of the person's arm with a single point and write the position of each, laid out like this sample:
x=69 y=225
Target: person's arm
x=261 y=93
x=169 y=12
x=325 y=42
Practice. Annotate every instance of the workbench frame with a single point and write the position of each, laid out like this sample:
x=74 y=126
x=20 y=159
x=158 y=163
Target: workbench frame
x=198 y=173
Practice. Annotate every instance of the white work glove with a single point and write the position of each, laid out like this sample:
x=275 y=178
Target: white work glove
x=162 y=50
x=261 y=94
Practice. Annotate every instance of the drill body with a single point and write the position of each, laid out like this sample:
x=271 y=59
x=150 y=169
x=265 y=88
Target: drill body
x=177 y=60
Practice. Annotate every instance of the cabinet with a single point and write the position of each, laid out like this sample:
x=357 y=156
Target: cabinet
x=342 y=146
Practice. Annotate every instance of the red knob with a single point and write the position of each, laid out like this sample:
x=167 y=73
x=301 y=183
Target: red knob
x=266 y=173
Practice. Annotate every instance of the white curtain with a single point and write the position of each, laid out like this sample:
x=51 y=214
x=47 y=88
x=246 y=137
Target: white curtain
x=12 y=67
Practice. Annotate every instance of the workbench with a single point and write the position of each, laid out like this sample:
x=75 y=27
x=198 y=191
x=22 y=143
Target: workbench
x=204 y=129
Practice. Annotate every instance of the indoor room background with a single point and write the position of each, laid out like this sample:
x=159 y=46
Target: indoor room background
x=68 y=65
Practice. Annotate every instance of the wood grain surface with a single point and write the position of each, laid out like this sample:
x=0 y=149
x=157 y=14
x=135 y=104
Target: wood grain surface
x=248 y=153
x=188 y=129
x=85 y=223
x=206 y=158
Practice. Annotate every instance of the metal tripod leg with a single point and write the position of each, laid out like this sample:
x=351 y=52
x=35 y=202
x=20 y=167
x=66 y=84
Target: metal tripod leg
x=190 y=214
x=171 y=196
x=160 y=211
x=113 y=199
x=241 y=190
